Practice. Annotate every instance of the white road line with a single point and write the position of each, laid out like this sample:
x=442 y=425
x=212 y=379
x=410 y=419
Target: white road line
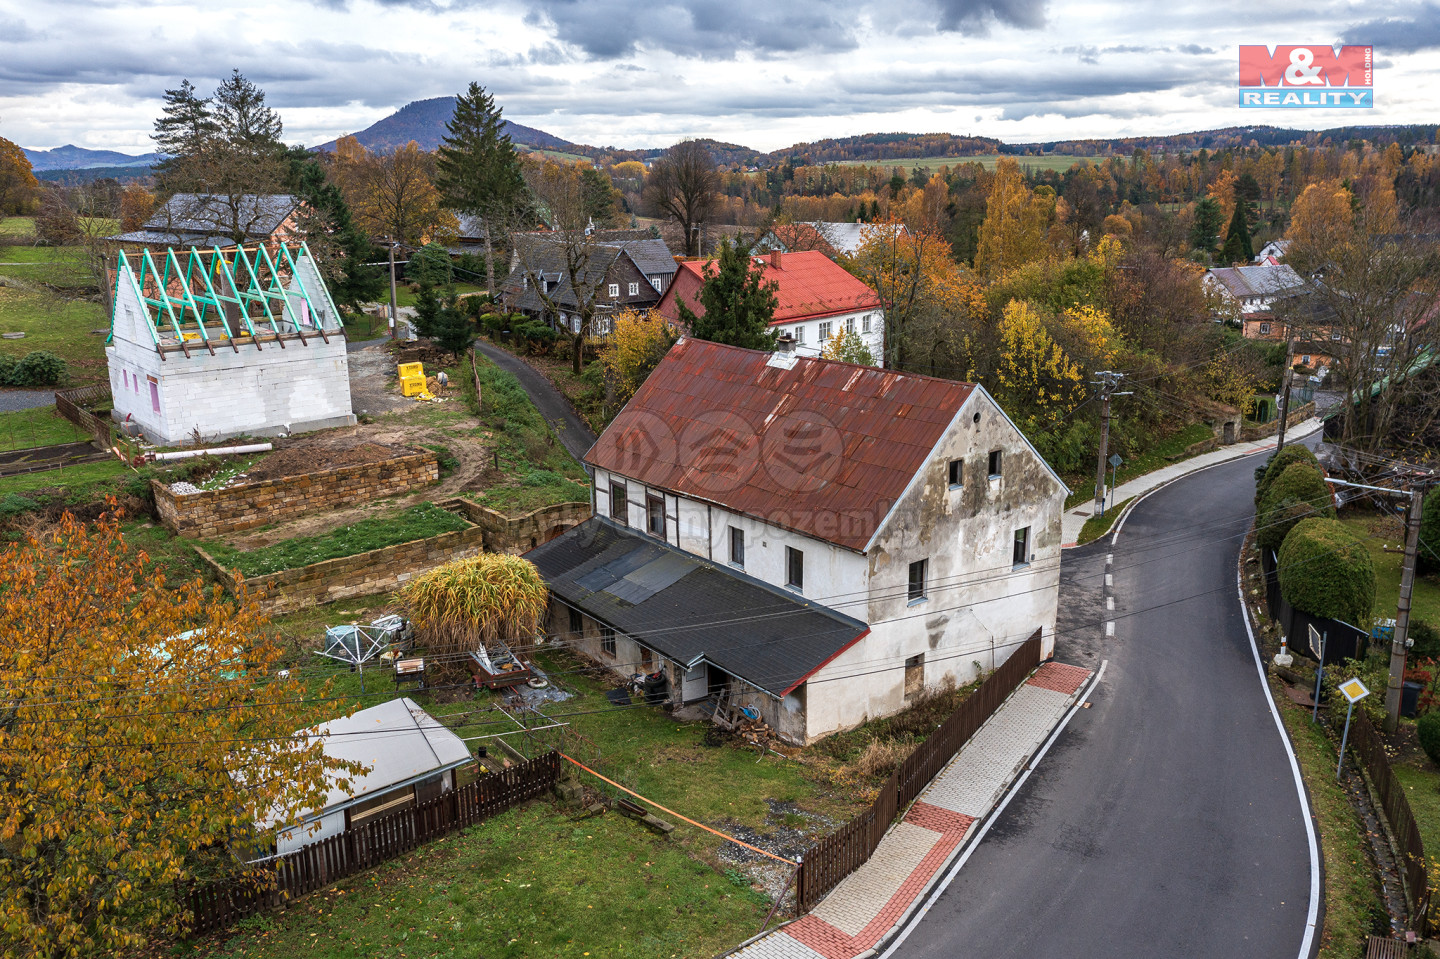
x=954 y=870
x=1110 y=603
x=1109 y=558
x=1110 y=628
x=1109 y=579
x=1312 y=916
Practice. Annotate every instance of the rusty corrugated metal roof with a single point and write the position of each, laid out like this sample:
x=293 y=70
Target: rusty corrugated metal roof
x=824 y=448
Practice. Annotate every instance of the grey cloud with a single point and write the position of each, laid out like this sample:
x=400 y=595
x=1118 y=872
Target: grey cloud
x=15 y=30
x=1418 y=30
x=1083 y=54
x=976 y=16
x=1194 y=49
x=707 y=29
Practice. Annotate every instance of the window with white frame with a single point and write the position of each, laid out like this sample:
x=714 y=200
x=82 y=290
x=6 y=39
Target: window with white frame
x=800 y=334
x=1264 y=329
x=917 y=590
x=614 y=289
x=865 y=323
x=849 y=324
x=656 y=282
x=825 y=331
x=634 y=289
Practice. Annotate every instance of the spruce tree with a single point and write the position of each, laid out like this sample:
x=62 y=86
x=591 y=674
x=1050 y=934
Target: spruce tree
x=1206 y=226
x=183 y=129
x=1238 y=246
x=477 y=170
x=245 y=122
x=739 y=303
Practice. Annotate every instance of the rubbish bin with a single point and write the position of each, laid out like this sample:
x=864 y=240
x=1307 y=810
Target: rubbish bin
x=1410 y=699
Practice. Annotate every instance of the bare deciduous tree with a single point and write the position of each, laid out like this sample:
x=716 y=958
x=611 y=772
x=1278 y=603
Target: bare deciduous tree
x=684 y=186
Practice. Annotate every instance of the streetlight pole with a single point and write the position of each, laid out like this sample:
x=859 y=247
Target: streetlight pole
x=1107 y=383
x=1285 y=389
x=394 y=310
x=1395 y=685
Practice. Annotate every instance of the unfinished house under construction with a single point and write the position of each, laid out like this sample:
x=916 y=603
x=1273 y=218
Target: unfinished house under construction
x=221 y=342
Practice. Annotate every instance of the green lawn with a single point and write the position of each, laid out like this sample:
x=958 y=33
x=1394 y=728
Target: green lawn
x=1425 y=600
x=63 y=266
x=62 y=326
x=77 y=483
x=532 y=882
x=43 y=426
x=417 y=522
x=1422 y=790
x=1351 y=897
x=17 y=226
x=403 y=296
x=1097 y=526
x=535 y=468
x=1158 y=456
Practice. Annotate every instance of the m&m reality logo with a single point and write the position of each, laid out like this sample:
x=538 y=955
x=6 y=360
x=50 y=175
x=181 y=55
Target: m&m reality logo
x=1312 y=77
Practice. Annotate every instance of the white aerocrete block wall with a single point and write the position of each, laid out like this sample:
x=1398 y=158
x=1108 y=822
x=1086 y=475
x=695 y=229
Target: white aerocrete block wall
x=255 y=391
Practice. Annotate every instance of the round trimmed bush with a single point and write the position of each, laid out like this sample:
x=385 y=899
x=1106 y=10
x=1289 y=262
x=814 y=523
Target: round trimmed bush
x=1325 y=570
x=1297 y=493
x=1427 y=730
x=39 y=368
x=1277 y=464
x=1427 y=561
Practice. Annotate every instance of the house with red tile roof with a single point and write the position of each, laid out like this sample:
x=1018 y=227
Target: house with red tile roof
x=816 y=299
x=816 y=541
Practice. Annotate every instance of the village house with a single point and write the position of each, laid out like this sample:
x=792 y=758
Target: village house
x=609 y=277
x=212 y=219
x=214 y=344
x=410 y=758
x=834 y=239
x=816 y=298
x=815 y=541
x=1252 y=289
x=1271 y=253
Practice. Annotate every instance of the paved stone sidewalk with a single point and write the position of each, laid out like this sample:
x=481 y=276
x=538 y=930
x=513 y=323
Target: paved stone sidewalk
x=1074 y=519
x=870 y=902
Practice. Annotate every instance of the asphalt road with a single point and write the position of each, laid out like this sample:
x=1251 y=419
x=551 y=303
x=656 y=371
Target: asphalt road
x=574 y=435
x=11 y=400
x=1165 y=819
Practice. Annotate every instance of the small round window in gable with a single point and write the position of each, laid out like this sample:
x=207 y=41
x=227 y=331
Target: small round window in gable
x=977 y=416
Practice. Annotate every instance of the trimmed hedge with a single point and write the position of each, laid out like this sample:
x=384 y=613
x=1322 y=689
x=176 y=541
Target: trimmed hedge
x=1427 y=561
x=1297 y=493
x=36 y=368
x=1325 y=570
x=1427 y=730
x=1277 y=464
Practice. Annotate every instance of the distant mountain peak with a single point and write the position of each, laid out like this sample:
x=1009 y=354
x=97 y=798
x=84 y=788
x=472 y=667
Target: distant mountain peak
x=424 y=122
x=71 y=157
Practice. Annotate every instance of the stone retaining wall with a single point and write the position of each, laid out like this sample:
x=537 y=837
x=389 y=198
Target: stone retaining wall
x=516 y=534
x=364 y=574
x=1299 y=414
x=210 y=513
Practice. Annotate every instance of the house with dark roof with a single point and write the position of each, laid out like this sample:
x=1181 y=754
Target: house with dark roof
x=213 y=219
x=1252 y=289
x=816 y=299
x=817 y=541
x=556 y=277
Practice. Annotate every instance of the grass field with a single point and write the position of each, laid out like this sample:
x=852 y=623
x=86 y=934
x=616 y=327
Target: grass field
x=1158 y=456
x=403 y=296
x=78 y=483
x=63 y=266
x=417 y=522
x=931 y=164
x=51 y=320
x=1378 y=532
x=17 y=226
x=23 y=429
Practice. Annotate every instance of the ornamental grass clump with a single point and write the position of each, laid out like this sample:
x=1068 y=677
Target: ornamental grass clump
x=472 y=602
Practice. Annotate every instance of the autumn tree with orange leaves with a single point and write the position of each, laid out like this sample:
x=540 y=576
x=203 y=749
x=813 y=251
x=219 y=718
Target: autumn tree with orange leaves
x=143 y=729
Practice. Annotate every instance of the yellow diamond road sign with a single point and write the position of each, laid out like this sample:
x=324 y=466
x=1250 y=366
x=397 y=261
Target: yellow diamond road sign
x=1354 y=690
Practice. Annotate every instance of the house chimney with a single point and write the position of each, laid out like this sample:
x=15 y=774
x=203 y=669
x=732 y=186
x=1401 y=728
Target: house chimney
x=775 y=260
x=784 y=357
x=785 y=343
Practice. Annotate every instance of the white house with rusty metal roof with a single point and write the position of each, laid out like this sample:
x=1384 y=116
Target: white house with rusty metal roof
x=822 y=540
x=1252 y=289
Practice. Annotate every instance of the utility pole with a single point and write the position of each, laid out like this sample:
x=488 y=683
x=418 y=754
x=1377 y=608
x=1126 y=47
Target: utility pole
x=1285 y=388
x=1398 y=642
x=394 y=310
x=1107 y=383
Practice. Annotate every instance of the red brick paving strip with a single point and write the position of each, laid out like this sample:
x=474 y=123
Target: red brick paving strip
x=1059 y=678
x=834 y=944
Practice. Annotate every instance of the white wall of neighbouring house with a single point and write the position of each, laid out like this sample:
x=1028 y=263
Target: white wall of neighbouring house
x=979 y=604
x=810 y=343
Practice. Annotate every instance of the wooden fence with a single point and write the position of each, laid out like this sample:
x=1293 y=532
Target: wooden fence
x=845 y=850
x=322 y=863
x=1371 y=749
x=72 y=404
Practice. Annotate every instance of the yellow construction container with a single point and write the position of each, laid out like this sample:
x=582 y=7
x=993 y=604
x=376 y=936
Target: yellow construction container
x=408 y=370
x=412 y=385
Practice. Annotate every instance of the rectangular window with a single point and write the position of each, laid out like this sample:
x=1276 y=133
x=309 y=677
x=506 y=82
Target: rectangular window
x=800 y=334
x=607 y=640
x=917 y=589
x=634 y=289
x=1334 y=336
x=614 y=290
x=155 y=392
x=618 y=511
x=914 y=676
x=655 y=515
x=647 y=659
x=577 y=623
x=995 y=464
x=1021 y=553
x=1264 y=329
x=737 y=546
x=957 y=474
x=825 y=331
x=794 y=568
x=865 y=323
x=849 y=324
x=656 y=282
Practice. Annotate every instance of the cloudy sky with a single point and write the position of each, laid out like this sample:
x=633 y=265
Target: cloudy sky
x=765 y=73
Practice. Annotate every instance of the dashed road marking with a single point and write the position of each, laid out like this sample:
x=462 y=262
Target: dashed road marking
x=1110 y=603
x=1109 y=579
x=1110 y=628
x=1109 y=558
